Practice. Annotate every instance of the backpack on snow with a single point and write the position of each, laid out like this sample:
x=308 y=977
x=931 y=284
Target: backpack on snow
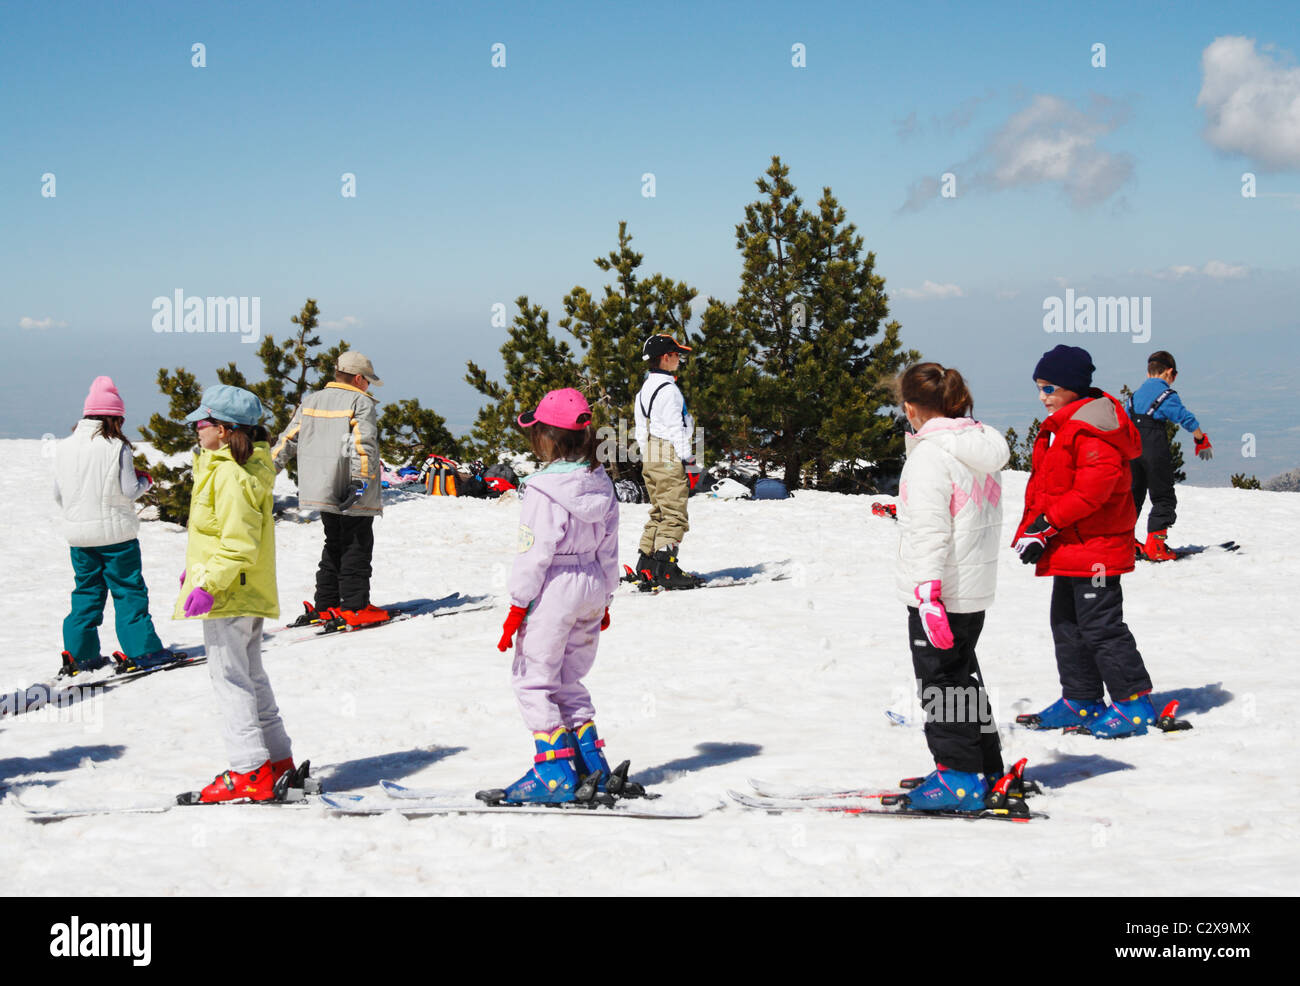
x=440 y=477
x=770 y=489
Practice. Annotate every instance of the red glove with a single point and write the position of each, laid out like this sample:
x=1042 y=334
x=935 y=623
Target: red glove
x=604 y=623
x=1203 y=447
x=514 y=619
x=141 y=474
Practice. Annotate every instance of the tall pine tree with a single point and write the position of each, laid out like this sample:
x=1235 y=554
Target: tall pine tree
x=803 y=364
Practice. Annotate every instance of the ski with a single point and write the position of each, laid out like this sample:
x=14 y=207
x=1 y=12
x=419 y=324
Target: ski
x=777 y=806
x=50 y=691
x=775 y=792
x=723 y=579
x=415 y=803
x=399 y=612
x=297 y=789
x=1187 y=550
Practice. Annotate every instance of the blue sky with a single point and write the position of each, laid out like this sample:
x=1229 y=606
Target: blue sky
x=477 y=184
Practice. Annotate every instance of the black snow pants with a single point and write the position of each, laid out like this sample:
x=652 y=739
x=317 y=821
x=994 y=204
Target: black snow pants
x=1094 y=646
x=959 y=725
x=1153 y=473
x=343 y=578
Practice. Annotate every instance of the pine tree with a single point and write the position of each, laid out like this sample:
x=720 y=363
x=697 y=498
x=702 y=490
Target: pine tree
x=1022 y=453
x=409 y=433
x=612 y=331
x=170 y=436
x=815 y=371
x=535 y=362
x=1240 y=482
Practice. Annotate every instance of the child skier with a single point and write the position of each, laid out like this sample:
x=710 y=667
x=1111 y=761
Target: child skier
x=1077 y=526
x=334 y=434
x=95 y=482
x=562 y=582
x=950 y=523
x=229 y=582
x=1153 y=470
x=663 y=432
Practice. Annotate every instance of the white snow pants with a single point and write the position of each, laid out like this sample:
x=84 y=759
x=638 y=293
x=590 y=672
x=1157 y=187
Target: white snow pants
x=251 y=725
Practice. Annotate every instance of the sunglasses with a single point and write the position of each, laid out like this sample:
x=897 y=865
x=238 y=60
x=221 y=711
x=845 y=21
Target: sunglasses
x=1049 y=389
x=205 y=423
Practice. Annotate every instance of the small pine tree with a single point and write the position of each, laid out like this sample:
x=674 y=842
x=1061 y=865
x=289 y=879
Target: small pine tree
x=1015 y=462
x=170 y=436
x=1240 y=482
x=408 y=433
x=535 y=362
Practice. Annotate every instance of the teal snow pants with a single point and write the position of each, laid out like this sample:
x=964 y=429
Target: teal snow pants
x=113 y=568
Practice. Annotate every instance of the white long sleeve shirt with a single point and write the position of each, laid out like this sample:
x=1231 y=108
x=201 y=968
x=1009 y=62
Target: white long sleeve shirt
x=668 y=418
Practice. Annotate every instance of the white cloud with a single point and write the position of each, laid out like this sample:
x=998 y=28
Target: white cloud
x=40 y=323
x=1052 y=142
x=1214 y=269
x=929 y=289
x=1251 y=102
x=1048 y=142
x=342 y=324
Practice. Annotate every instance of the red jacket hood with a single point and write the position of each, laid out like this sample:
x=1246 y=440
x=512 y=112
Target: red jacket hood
x=1101 y=416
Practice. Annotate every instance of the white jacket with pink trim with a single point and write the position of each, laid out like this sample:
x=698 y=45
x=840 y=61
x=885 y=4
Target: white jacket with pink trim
x=950 y=512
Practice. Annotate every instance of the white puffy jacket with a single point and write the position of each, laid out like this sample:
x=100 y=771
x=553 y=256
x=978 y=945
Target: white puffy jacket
x=950 y=512
x=94 y=483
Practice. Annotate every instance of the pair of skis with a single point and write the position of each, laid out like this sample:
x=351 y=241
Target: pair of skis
x=1005 y=801
x=725 y=578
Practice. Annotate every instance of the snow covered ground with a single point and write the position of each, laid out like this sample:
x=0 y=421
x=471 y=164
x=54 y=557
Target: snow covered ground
x=787 y=682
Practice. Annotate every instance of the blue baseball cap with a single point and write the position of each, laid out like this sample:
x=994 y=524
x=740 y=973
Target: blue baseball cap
x=226 y=403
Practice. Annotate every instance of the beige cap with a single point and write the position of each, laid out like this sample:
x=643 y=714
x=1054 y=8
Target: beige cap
x=354 y=362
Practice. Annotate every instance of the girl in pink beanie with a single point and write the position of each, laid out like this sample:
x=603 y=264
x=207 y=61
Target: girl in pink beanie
x=95 y=484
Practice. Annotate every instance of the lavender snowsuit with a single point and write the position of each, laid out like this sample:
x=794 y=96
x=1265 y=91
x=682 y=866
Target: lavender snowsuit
x=565 y=573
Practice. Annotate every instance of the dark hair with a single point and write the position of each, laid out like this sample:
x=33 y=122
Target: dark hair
x=242 y=438
x=110 y=427
x=348 y=378
x=1160 y=361
x=932 y=388
x=550 y=443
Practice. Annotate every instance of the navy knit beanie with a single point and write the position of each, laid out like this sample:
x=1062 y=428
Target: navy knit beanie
x=1066 y=366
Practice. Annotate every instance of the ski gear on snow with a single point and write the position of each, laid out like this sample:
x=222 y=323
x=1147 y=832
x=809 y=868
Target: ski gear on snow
x=949 y=790
x=1063 y=713
x=1156 y=547
x=1125 y=718
x=552 y=778
x=254 y=785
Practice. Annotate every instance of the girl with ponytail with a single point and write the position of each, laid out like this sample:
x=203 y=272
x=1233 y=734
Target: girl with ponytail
x=950 y=521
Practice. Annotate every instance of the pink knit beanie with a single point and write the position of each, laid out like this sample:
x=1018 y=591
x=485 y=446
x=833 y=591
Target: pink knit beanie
x=104 y=399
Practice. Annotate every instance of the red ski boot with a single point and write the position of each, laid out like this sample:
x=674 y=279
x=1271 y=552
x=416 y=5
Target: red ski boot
x=257 y=785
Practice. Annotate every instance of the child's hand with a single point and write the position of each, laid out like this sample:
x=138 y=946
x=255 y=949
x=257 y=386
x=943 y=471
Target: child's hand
x=198 y=603
x=934 y=618
x=514 y=619
x=604 y=623
x=1033 y=542
x=1203 y=447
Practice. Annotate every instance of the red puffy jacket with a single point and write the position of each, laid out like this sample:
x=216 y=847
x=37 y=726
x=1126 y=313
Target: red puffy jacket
x=1081 y=480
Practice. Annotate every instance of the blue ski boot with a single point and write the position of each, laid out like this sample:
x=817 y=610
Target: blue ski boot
x=1129 y=718
x=1062 y=713
x=157 y=659
x=552 y=780
x=74 y=666
x=591 y=758
x=949 y=790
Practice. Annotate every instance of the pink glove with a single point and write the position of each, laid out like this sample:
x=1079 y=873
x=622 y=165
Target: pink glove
x=198 y=602
x=933 y=616
x=513 y=621
x=184 y=573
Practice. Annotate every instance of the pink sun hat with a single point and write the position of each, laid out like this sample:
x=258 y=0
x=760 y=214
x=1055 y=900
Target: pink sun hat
x=104 y=399
x=562 y=408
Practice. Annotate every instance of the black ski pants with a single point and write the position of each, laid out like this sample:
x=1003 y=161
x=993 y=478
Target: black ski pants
x=959 y=725
x=1153 y=473
x=343 y=578
x=1094 y=647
